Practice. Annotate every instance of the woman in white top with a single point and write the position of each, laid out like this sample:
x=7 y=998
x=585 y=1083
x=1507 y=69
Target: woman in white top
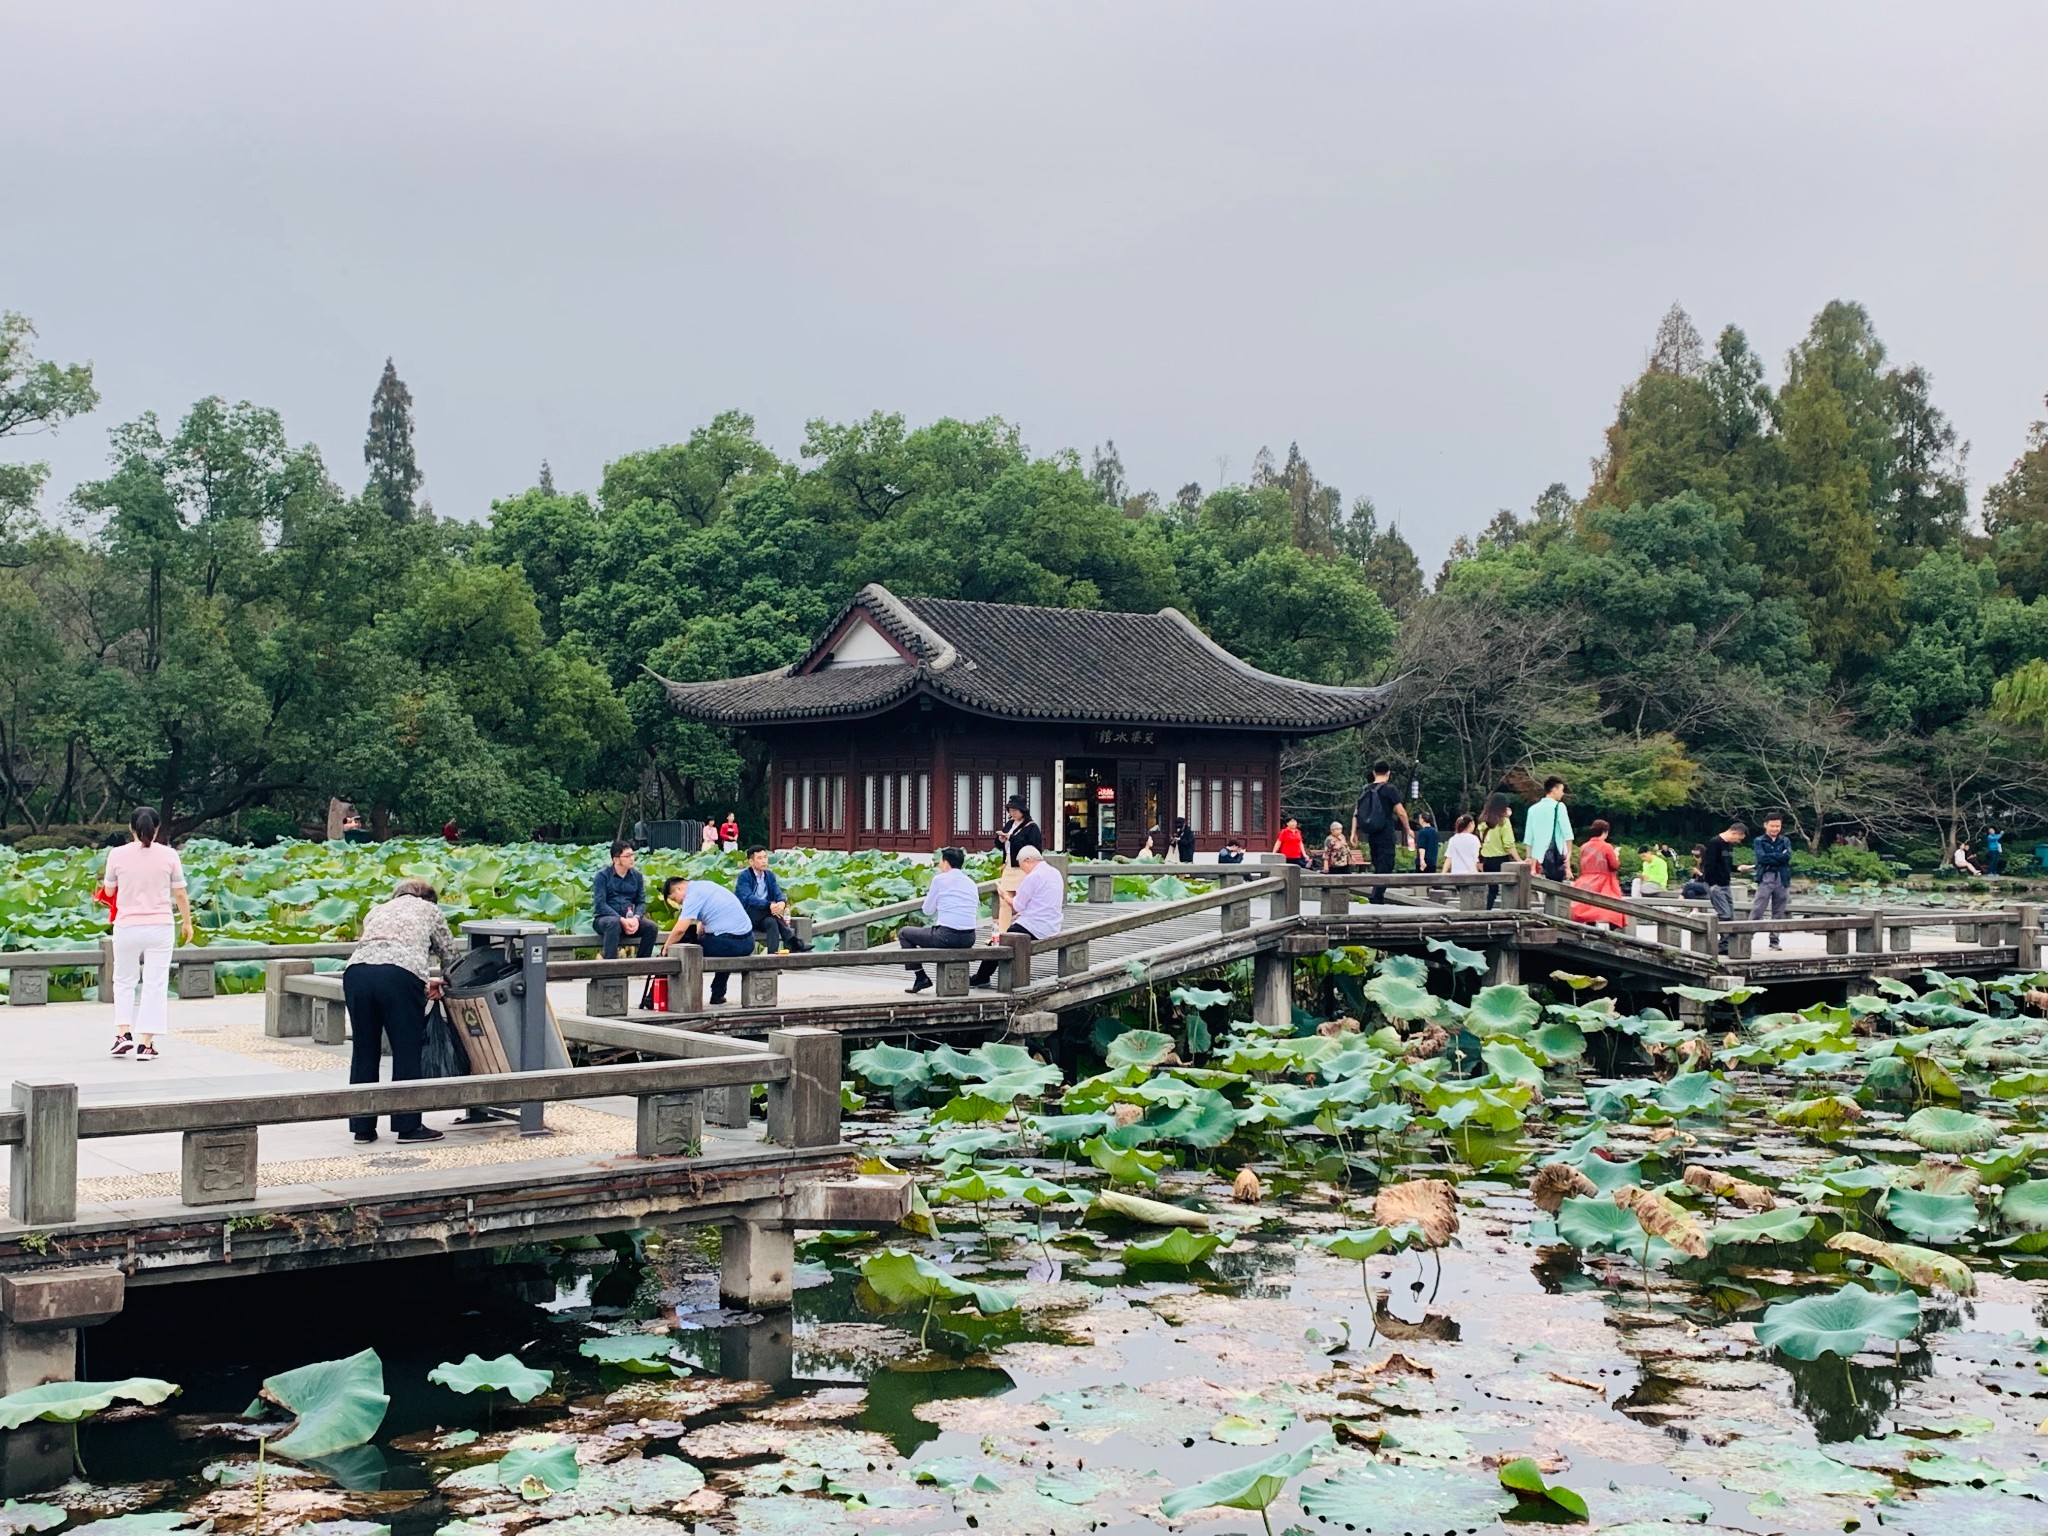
x=145 y=878
x=1461 y=853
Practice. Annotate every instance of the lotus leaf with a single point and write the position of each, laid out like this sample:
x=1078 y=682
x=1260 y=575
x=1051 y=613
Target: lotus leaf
x=1361 y=1243
x=1124 y=1166
x=1457 y=956
x=15 y=1519
x=1598 y=1225
x=1252 y=1486
x=535 y=1472
x=1406 y=967
x=1152 y=1213
x=66 y=1402
x=1607 y=1175
x=892 y=1067
x=1139 y=1048
x=1198 y=998
x=1180 y=1248
x=1559 y=1040
x=1579 y=983
x=645 y=1354
x=1523 y=1476
x=1949 y=1130
x=1785 y=1225
x=2021 y=1085
x=1504 y=1009
x=899 y=1278
x=1067 y=1130
x=1839 y=1322
x=1399 y=998
x=1511 y=1063
x=1827 y=1113
x=1691 y=1093
x=1922 y=1267
x=1617 y=1101
x=971 y=1109
x=2025 y=1206
x=504 y=1374
x=1206 y=1120
x=1393 y=1499
x=1931 y=1218
x=339 y=1403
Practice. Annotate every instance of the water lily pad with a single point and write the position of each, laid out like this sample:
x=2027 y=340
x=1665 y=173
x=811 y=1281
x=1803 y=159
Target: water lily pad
x=1786 y=1224
x=644 y=1353
x=1839 y=1322
x=1456 y=955
x=1522 y=1476
x=16 y=1519
x=1251 y=1486
x=504 y=1374
x=1949 y=1130
x=1398 y=998
x=631 y=1485
x=2025 y=1206
x=1139 y=1048
x=1095 y=1413
x=1399 y=1499
x=1504 y=1009
x=1180 y=1248
x=1691 y=1093
x=536 y=1472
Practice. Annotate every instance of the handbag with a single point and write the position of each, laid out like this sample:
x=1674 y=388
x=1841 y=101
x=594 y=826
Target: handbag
x=441 y=1054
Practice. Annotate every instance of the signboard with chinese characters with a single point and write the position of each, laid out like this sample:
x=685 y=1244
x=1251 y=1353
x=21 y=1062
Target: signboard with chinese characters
x=1120 y=736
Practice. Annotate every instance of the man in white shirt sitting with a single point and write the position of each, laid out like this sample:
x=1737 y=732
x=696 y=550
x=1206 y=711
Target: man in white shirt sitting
x=1039 y=902
x=954 y=908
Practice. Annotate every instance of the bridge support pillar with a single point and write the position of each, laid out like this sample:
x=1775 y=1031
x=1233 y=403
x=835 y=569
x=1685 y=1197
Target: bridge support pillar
x=40 y=1315
x=759 y=1351
x=1503 y=965
x=1273 y=988
x=755 y=1264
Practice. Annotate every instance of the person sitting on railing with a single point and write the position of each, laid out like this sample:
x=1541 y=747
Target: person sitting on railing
x=387 y=985
x=711 y=917
x=1654 y=874
x=1773 y=874
x=1039 y=902
x=1599 y=875
x=761 y=894
x=955 y=909
x=618 y=905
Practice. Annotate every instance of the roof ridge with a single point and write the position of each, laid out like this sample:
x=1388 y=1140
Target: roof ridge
x=1342 y=690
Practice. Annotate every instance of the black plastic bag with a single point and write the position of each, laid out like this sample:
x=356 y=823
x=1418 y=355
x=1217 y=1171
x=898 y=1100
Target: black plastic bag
x=442 y=1055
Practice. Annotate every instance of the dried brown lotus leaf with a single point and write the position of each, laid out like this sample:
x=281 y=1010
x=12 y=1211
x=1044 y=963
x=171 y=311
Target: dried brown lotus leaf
x=1713 y=1181
x=1915 y=1266
x=1126 y=1114
x=1245 y=1188
x=1430 y=1204
x=1663 y=1219
x=1329 y=1029
x=1554 y=1181
x=1431 y=1042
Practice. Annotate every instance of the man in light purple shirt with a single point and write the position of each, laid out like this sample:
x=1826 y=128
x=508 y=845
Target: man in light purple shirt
x=1039 y=902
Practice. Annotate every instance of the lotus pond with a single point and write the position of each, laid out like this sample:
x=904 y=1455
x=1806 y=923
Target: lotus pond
x=1433 y=1258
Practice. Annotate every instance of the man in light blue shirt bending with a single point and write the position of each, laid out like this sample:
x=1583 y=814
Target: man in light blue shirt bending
x=954 y=908
x=711 y=917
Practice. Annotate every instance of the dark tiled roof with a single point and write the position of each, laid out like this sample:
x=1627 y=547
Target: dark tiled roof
x=1023 y=663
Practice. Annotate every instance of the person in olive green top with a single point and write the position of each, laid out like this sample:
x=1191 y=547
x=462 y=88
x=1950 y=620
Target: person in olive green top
x=1496 y=839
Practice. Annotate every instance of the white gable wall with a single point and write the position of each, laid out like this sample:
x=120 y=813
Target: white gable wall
x=863 y=645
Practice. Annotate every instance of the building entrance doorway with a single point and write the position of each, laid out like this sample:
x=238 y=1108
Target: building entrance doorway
x=1144 y=805
x=1088 y=808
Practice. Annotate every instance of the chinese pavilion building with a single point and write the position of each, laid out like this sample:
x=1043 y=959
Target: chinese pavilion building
x=911 y=721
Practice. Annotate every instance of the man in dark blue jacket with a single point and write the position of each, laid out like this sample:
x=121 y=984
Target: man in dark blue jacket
x=761 y=894
x=1773 y=874
x=618 y=905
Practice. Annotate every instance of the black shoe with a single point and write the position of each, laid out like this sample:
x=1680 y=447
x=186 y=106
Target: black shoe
x=979 y=980
x=364 y=1138
x=922 y=984
x=424 y=1133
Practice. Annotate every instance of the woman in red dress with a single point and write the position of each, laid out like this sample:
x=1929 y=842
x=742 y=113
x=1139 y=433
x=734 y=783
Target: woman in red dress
x=1599 y=875
x=1288 y=843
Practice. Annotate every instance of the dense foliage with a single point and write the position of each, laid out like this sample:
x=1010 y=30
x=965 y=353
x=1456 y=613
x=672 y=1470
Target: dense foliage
x=1769 y=594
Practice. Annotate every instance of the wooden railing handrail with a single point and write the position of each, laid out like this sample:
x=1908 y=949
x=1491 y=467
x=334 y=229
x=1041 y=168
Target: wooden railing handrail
x=1164 y=912
x=1631 y=906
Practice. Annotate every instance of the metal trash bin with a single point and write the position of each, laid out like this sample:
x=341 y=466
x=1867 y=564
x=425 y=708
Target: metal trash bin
x=498 y=1002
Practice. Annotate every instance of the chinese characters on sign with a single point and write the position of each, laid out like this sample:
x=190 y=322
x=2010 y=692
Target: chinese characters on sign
x=1115 y=738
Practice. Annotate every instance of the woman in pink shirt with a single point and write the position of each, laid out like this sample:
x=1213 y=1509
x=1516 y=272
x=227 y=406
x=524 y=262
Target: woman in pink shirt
x=145 y=879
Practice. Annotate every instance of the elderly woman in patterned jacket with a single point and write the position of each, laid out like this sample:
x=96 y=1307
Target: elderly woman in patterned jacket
x=387 y=985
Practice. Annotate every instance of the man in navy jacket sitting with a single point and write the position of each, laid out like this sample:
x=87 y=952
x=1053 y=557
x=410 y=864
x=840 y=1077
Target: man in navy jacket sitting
x=761 y=894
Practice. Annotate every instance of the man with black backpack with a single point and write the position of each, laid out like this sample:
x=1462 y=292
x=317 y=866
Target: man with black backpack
x=1378 y=812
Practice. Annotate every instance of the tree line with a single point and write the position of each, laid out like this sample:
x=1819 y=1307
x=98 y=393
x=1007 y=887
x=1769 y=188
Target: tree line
x=1769 y=594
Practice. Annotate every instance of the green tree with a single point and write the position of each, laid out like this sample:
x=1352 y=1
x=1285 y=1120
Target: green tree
x=2016 y=518
x=35 y=396
x=395 y=477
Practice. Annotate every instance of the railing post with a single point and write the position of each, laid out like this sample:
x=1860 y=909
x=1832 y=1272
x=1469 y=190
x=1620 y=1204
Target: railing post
x=1336 y=900
x=285 y=1014
x=28 y=986
x=193 y=978
x=1273 y=989
x=106 y=986
x=604 y=997
x=1518 y=894
x=1899 y=936
x=803 y=1110
x=1838 y=941
x=1712 y=937
x=855 y=937
x=1990 y=934
x=1237 y=915
x=1870 y=937
x=1073 y=959
x=758 y=988
x=804 y=929
x=1101 y=889
x=42 y=1178
x=1287 y=900
x=1015 y=972
x=219 y=1166
x=669 y=1125
x=952 y=977
x=687 y=995
x=2029 y=938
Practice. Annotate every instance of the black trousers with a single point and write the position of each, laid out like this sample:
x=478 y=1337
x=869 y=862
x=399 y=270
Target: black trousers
x=1382 y=846
x=986 y=971
x=1493 y=864
x=772 y=931
x=934 y=937
x=384 y=1002
x=612 y=935
x=729 y=944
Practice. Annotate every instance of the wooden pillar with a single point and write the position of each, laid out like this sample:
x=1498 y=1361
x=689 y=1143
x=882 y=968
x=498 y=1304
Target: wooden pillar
x=943 y=822
x=1273 y=989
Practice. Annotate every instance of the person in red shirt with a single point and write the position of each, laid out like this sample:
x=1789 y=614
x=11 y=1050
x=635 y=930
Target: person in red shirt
x=1288 y=843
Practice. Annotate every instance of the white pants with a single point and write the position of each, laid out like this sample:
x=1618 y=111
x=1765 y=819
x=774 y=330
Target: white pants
x=142 y=975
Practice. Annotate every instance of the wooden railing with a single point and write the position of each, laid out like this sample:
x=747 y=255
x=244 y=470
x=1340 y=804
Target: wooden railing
x=800 y=1067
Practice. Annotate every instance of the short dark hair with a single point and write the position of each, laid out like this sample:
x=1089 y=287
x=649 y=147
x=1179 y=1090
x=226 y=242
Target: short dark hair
x=671 y=883
x=1425 y=818
x=621 y=846
x=1381 y=767
x=756 y=848
x=1464 y=823
x=1771 y=816
x=1738 y=829
x=953 y=857
x=1553 y=782
x=1597 y=829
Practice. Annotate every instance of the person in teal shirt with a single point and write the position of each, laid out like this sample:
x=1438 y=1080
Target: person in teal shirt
x=1994 y=852
x=1547 y=830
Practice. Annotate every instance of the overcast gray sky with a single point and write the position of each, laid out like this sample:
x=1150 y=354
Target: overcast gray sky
x=1429 y=242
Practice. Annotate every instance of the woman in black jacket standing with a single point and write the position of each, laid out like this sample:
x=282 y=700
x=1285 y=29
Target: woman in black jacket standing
x=1018 y=831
